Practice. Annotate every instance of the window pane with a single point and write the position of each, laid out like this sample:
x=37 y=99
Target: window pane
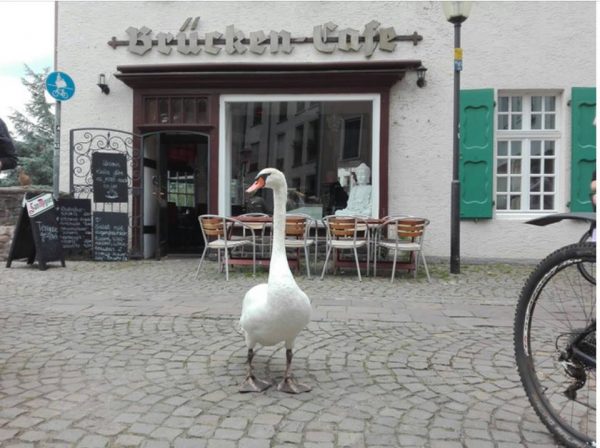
x=549 y=185
x=534 y=202
x=535 y=166
x=176 y=110
x=549 y=166
x=517 y=103
x=501 y=202
x=516 y=121
x=202 y=111
x=188 y=110
x=515 y=184
x=550 y=121
x=502 y=148
x=550 y=103
x=536 y=121
x=502 y=184
x=503 y=104
x=515 y=202
x=536 y=148
x=502 y=166
x=502 y=122
x=163 y=110
x=549 y=147
x=548 y=202
x=536 y=103
x=150 y=110
x=515 y=166
x=535 y=184
x=515 y=148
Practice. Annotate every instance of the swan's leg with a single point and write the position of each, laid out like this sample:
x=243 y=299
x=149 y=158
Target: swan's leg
x=289 y=385
x=251 y=383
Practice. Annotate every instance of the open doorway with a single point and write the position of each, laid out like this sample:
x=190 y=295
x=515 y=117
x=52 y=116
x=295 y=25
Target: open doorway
x=176 y=192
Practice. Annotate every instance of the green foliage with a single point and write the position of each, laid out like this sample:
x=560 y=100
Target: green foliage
x=34 y=139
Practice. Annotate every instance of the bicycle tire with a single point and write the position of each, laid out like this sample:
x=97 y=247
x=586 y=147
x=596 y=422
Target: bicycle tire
x=545 y=297
x=590 y=276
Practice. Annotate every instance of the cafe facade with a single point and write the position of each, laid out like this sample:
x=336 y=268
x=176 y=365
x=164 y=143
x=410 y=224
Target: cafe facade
x=190 y=100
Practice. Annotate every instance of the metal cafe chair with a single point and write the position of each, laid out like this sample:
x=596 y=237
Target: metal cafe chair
x=264 y=241
x=402 y=234
x=346 y=233
x=216 y=231
x=297 y=236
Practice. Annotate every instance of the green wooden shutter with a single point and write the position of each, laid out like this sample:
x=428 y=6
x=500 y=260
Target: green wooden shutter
x=476 y=169
x=583 y=146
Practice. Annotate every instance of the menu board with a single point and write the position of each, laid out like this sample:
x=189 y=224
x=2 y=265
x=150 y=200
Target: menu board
x=109 y=177
x=110 y=236
x=75 y=219
x=37 y=234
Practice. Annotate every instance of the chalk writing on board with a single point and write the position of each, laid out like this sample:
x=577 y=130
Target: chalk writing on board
x=48 y=233
x=110 y=236
x=109 y=174
x=75 y=219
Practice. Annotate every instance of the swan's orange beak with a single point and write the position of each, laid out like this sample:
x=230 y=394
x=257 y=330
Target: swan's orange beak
x=257 y=185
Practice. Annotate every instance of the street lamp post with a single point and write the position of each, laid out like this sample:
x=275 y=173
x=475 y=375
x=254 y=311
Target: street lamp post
x=456 y=13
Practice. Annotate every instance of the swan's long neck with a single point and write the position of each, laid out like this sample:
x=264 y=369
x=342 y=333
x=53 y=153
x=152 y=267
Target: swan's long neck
x=279 y=269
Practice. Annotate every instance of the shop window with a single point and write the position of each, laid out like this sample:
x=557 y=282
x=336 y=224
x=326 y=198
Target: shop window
x=317 y=150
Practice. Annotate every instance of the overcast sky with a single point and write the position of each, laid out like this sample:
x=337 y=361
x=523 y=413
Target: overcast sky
x=27 y=36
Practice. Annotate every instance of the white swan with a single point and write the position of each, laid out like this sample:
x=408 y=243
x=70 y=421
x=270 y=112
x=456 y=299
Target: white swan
x=278 y=310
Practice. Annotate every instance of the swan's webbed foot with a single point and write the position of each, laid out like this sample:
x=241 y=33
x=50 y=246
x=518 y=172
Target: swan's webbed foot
x=290 y=386
x=253 y=384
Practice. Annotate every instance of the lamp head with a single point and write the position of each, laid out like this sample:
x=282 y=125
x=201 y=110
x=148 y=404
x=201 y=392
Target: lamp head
x=456 y=12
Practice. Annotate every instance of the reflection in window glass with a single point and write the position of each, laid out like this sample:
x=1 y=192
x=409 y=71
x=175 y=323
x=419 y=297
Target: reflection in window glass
x=317 y=149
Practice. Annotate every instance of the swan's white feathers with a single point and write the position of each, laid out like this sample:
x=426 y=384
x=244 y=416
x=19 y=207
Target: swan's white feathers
x=276 y=311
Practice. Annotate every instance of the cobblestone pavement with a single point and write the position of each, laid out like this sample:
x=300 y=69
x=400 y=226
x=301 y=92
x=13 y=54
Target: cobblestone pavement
x=142 y=354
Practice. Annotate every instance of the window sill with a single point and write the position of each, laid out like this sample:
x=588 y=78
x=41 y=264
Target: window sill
x=522 y=216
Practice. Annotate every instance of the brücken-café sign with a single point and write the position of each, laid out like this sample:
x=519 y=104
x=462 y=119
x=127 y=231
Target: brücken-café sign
x=326 y=38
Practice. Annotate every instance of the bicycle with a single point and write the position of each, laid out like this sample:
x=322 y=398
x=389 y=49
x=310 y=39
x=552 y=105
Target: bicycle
x=555 y=338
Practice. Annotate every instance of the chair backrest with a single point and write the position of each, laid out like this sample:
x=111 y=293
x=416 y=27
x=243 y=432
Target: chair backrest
x=295 y=226
x=412 y=228
x=346 y=227
x=213 y=227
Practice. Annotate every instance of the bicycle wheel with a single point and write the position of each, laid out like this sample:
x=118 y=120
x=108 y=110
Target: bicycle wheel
x=590 y=275
x=556 y=304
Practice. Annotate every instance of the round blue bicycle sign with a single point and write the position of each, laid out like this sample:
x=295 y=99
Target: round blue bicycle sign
x=60 y=86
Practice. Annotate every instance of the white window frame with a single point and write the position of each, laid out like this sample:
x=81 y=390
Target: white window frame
x=224 y=197
x=526 y=134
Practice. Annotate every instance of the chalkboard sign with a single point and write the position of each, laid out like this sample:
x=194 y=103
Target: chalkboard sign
x=109 y=177
x=37 y=234
x=75 y=219
x=110 y=236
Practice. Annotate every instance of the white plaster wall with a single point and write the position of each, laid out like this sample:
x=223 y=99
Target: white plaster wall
x=507 y=45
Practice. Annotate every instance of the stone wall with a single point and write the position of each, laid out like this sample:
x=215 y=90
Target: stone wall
x=11 y=199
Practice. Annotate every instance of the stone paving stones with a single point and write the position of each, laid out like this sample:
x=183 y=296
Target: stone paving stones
x=141 y=354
